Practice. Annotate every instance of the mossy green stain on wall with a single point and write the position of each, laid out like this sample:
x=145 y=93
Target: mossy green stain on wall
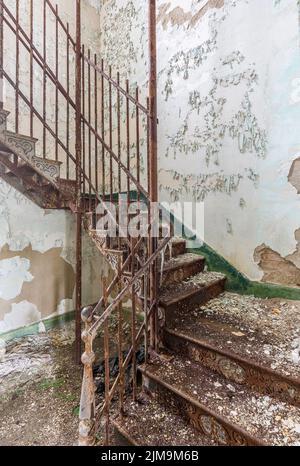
x=238 y=283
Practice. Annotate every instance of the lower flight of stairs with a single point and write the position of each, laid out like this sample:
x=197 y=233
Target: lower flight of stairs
x=210 y=385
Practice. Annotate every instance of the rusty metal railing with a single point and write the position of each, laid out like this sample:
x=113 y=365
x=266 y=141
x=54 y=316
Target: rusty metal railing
x=97 y=126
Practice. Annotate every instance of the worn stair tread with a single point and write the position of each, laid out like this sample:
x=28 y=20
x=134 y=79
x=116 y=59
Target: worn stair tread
x=270 y=421
x=266 y=331
x=184 y=259
x=151 y=424
x=174 y=293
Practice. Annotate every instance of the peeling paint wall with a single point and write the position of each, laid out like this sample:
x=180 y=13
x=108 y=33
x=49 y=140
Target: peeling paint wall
x=37 y=262
x=90 y=38
x=229 y=111
x=37 y=247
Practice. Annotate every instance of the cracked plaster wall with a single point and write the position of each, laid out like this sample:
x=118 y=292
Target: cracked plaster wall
x=229 y=111
x=37 y=247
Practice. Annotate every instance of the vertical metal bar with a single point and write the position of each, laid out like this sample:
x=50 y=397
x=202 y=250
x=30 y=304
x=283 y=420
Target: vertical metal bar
x=89 y=134
x=103 y=128
x=17 y=67
x=146 y=315
x=1 y=56
x=138 y=161
x=128 y=148
x=153 y=156
x=83 y=126
x=110 y=137
x=119 y=133
x=56 y=88
x=31 y=67
x=106 y=363
x=148 y=147
x=153 y=101
x=119 y=152
x=120 y=344
x=68 y=103
x=78 y=181
x=44 y=75
x=96 y=123
x=133 y=324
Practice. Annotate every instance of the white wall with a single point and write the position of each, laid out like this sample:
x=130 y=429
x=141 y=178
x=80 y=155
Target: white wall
x=37 y=247
x=229 y=111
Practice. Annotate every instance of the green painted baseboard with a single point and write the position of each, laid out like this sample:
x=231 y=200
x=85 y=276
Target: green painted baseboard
x=238 y=283
x=33 y=329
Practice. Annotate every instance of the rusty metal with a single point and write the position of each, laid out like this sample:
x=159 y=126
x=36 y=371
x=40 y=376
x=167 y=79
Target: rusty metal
x=128 y=139
x=56 y=75
x=133 y=326
x=120 y=348
x=17 y=67
x=87 y=399
x=78 y=183
x=83 y=128
x=106 y=359
x=68 y=105
x=233 y=367
x=92 y=164
x=210 y=423
x=103 y=127
x=114 y=83
x=44 y=74
x=96 y=123
x=31 y=65
x=108 y=311
x=110 y=117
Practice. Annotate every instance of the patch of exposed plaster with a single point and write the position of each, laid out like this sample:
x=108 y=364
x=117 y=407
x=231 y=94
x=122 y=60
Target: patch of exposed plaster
x=45 y=286
x=278 y=269
x=294 y=175
x=177 y=16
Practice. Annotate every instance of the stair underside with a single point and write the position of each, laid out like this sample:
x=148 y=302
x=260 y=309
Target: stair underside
x=229 y=413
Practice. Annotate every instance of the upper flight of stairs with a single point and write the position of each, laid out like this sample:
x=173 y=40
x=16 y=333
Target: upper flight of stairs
x=35 y=177
x=197 y=391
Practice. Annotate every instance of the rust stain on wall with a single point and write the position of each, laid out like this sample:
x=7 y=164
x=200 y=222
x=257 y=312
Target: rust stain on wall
x=54 y=280
x=178 y=17
x=278 y=269
x=294 y=175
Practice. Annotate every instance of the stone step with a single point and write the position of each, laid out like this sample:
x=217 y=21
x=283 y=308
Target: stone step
x=196 y=290
x=177 y=247
x=150 y=423
x=50 y=169
x=182 y=267
x=228 y=413
x=20 y=144
x=248 y=340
